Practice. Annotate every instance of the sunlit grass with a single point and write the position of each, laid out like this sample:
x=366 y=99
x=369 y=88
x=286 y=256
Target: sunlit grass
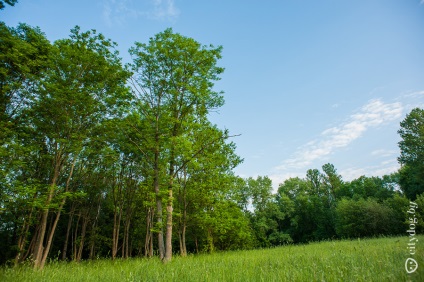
x=357 y=260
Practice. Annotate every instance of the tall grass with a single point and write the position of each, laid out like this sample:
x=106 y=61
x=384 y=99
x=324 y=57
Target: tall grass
x=357 y=260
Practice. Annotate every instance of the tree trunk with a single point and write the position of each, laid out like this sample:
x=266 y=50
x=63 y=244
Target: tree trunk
x=161 y=245
x=93 y=229
x=68 y=231
x=196 y=244
x=169 y=209
x=75 y=239
x=51 y=234
x=125 y=244
x=211 y=247
x=39 y=243
x=23 y=236
x=168 y=249
x=41 y=253
x=115 y=238
x=184 y=217
x=148 y=243
x=183 y=236
x=82 y=239
x=31 y=245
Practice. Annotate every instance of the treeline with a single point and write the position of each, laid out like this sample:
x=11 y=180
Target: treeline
x=322 y=206
x=101 y=159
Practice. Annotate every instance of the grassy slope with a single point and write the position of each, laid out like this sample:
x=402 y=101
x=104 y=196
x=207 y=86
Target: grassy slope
x=357 y=260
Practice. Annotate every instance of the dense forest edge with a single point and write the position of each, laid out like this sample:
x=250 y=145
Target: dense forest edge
x=101 y=159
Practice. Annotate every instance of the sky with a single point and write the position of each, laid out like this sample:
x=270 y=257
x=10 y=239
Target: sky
x=306 y=82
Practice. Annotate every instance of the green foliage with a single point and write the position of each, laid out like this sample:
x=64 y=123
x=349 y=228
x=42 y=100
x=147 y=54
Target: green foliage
x=362 y=218
x=419 y=214
x=9 y=2
x=412 y=153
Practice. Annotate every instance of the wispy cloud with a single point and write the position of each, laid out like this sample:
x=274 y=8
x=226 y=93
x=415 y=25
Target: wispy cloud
x=384 y=168
x=117 y=12
x=371 y=115
x=415 y=93
x=384 y=153
x=164 y=10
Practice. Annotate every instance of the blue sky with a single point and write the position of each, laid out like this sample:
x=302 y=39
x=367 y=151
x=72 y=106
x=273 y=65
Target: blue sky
x=306 y=82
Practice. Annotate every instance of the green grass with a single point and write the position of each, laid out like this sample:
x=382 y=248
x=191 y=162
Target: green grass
x=357 y=260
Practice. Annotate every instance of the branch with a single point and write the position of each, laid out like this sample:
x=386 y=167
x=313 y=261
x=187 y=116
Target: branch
x=200 y=151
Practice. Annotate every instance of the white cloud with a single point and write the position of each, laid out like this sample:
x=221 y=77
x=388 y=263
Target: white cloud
x=384 y=153
x=384 y=168
x=416 y=93
x=117 y=12
x=164 y=9
x=412 y=99
x=375 y=113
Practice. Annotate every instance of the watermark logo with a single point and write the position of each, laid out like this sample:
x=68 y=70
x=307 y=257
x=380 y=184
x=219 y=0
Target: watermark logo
x=411 y=265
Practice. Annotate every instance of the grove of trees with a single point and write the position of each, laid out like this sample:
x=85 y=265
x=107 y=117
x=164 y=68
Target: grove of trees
x=101 y=159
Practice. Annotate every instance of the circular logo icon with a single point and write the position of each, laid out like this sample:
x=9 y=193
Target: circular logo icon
x=411 y=265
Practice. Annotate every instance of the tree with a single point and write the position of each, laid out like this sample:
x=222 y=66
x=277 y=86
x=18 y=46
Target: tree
x=8 y=2
x=332 y=181
x=173 y=81
x=412 y=153
x=268 y=215
x=84 y=86
x=24 y=55
x=23 y=59
x=362 y=218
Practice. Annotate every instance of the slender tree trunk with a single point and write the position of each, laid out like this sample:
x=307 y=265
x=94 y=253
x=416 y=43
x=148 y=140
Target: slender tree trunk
x=42 y=253
x=169 y=208
x=148 y=243
x=211 y=246
x=23 y=236
x=129 y=210
x=39 y=243
x=183 y=235
x=92 y=245
x=196 y=244
x=75 y=239
x=93 y=230
x=115 y=238
x=51 y=234
x=184 y=217
x=182 y=232
x=82 y=238
x=161 y=245
x=68 y=231
x=31 y=245
x=126 y=244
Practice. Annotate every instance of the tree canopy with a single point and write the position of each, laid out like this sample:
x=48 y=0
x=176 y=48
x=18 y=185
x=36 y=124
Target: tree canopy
x=412 y=153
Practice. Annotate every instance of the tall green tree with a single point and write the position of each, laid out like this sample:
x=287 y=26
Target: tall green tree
x=84 y=85
x=173 y=81
x=24 y=55
x=412 y=153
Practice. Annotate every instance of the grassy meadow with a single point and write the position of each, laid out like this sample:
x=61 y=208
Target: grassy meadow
x=381 y=259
